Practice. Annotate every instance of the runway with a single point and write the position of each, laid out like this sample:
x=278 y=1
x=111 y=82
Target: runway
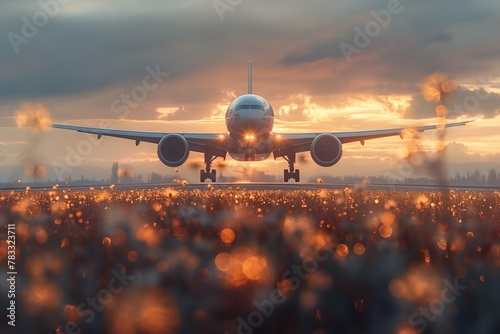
x=251 y=186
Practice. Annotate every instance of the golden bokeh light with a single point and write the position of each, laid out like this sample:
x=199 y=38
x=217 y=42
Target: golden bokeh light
x=342 y=250
x=152 y=311
x=227 y=235
x=148 y=235
x=359 y=249
x=40 y=296
x=223 y=261
x=254 y=266
x=33 y=116
x=385 y=231
x=133 y=256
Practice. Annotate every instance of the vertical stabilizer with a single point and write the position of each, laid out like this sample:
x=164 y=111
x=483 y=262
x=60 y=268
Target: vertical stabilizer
x=249 y=77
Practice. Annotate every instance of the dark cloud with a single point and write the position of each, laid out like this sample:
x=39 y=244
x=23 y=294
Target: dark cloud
x=425 y=37
x=101 y=50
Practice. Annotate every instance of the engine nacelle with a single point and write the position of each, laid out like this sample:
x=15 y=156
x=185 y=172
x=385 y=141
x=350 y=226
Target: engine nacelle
x=326 y=150
x=173 y=150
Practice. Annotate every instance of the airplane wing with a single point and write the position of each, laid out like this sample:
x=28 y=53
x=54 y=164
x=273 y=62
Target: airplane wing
x=301 y=142
x=198 y=142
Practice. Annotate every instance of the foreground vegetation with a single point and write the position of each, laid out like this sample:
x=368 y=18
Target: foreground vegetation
x=238 y=261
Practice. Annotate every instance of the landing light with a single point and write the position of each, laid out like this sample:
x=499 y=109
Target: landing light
x=250 y=137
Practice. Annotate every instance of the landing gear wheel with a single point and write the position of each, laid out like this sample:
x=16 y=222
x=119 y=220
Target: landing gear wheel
x=209 y=173
x=287 y=175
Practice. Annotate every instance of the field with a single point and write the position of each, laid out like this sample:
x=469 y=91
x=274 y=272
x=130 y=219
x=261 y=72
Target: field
x=253 y=261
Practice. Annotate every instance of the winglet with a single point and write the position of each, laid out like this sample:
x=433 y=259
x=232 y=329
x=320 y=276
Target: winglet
x=473 y=120
x=249 y=77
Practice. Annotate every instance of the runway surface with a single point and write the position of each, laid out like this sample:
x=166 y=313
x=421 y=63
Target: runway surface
x=250 y=186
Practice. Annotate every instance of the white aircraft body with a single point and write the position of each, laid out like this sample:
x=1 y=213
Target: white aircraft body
x=250 y=137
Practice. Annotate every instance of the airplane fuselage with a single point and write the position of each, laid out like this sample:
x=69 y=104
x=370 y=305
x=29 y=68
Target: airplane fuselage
x=249 y=122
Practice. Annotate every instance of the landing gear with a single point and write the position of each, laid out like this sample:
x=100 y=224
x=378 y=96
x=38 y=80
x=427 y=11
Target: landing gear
x=287 y=175
x=208 y=173
x=291 y=173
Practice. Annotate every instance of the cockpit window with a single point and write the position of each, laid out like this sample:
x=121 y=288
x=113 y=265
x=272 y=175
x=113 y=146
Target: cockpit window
x=242 y=106
x=249 y=106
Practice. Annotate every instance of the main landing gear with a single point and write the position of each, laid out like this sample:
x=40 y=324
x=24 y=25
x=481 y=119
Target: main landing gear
x=291 y=173
x=208 y=173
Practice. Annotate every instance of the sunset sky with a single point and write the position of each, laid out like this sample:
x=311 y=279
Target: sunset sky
x=83 y=56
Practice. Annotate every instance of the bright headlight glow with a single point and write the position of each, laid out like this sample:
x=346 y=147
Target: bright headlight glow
x=250 y=137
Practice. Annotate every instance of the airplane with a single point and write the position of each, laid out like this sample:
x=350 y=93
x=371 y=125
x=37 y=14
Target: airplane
x=250 y=137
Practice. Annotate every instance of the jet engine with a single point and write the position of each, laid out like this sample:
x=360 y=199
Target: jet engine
x=326 y=150
x=173 y=150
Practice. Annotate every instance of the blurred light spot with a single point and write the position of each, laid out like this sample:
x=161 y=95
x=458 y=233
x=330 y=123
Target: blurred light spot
x=227 y=235
x=64 y=242
x=342 y=250
x=106 y=241
x=133 y=256
x=427 y=256
x=157 y=207
x=34 y=116
x=441 y=111
x=223 y=261
x=397 y=288
x=359 y=249
x=118 y=236
x=385 y=231
x=422 y=202
x=41 y=236
x=40 y=296
x=148 y=235
x=254 y=266
x=442 y=244
x=143 y=311
x=436 y=85
x=407 y=330
x=388 y=218
x=34 y=169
